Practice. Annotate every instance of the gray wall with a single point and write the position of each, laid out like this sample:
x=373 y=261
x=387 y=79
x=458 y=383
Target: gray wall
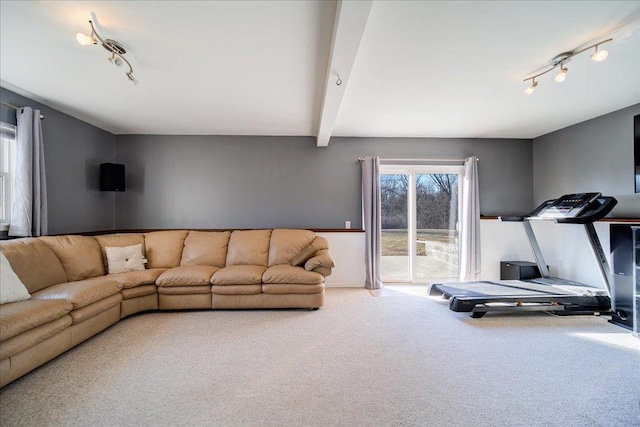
x=263 y=182
x=596 y=155
x=73 y=152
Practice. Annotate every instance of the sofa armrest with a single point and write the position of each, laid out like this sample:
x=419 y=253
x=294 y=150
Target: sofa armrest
x=325 y=271
x=322 y=258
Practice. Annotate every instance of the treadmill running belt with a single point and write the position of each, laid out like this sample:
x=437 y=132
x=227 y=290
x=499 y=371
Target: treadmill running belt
x=492 y=288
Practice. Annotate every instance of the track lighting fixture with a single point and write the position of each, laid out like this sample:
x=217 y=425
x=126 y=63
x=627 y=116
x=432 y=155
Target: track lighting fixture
x=115 y=48
x=560 y=61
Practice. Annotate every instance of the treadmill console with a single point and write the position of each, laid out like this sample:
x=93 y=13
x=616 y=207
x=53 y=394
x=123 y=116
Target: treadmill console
x=568 y=206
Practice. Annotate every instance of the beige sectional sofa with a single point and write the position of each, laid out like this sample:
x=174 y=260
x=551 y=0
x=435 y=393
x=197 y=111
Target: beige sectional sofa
x=75 y=294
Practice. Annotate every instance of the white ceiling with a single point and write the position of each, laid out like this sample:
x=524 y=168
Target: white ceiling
x=409 y=69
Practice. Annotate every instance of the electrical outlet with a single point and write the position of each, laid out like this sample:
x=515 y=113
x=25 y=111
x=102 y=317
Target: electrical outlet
x=347 y=224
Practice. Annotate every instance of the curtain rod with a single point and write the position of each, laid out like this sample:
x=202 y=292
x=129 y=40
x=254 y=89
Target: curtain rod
x=17 y=108
x=360 y=159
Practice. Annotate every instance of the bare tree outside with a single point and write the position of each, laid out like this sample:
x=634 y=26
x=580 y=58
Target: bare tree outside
x=436 y=201
x=394 y=193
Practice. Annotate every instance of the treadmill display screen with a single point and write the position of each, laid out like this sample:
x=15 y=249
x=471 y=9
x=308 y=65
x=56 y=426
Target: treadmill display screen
x=569 y=206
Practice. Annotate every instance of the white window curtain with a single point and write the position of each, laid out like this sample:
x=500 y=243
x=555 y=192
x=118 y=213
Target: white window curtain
x=29 y=204
x=470 y=223
x=371 y=212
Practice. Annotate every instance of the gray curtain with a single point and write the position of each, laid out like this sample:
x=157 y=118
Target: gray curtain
x=29 y=196
x=470 y=223
x=371 y=220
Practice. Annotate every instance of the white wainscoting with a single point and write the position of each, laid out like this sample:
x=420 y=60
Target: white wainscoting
x=347 y=249
x=564 y=246
x=501 y=241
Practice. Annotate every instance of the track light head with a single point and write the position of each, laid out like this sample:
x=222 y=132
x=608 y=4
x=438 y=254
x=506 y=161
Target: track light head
x=115 y=60
x=599 y=55
x=530 y=89
x=84 y=40
x=562 y=75
x=131 y=78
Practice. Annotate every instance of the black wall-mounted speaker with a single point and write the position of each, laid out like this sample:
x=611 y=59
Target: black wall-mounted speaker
x=111 y=177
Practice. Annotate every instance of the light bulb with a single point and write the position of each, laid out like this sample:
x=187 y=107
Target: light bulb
x=84 y=39
x=132 y=79
x=531 y=88
x=562 y=75
x=115 y=60
x=599 y=55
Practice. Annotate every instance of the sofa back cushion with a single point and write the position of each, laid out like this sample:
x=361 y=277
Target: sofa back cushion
x=206 y=248
x=285 y=244
x=249 y=247
x=118 y=241
x=34 y=262
x=164 y=248
x=80 y=255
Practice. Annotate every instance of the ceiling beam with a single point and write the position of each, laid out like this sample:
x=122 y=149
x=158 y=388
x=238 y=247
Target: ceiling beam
x=348 y=28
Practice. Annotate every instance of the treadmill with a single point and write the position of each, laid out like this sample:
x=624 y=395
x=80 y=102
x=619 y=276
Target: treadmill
x=546 y=293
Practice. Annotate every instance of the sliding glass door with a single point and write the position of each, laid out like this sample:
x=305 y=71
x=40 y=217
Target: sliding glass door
x=420 y=212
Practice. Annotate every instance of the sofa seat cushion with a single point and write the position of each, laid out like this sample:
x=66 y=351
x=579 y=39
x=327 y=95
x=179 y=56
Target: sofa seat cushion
x=289 y=274
x=18 y=317
x=239 y=275
x=184 y=290
x=92 y=310
x=82 y=292
x=131 y=279
x=236 y=289
x=80 y=255
x=293 y=289
x=187 y=275
x=139 y=291
x=34 y=336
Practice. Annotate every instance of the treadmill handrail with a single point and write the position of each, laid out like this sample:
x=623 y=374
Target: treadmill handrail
x=533 y=213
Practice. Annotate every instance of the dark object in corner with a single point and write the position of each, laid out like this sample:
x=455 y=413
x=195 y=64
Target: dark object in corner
x=111 y=177
x=621 y=244
x=518 y=270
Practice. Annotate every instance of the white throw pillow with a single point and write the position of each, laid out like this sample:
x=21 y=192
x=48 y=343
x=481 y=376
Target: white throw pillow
x=126 y=258
x=11 y=287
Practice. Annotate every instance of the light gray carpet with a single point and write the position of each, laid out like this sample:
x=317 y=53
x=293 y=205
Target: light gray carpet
x=395 y=359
